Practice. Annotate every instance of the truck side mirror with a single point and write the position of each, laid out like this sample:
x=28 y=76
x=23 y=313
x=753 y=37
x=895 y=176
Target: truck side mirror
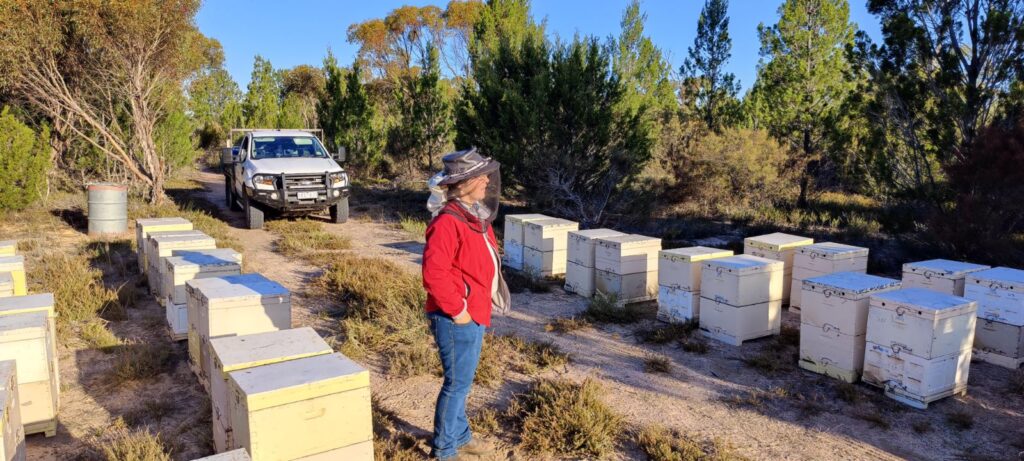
x=227 y=155
x=339 y=156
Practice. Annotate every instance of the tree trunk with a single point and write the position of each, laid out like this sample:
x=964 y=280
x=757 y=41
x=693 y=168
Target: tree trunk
x=809 y=166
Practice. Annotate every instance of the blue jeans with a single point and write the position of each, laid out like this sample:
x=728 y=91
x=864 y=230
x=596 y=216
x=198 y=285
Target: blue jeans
x=459 y=347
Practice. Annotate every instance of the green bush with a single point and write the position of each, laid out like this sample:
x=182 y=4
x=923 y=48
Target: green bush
x=24 y=158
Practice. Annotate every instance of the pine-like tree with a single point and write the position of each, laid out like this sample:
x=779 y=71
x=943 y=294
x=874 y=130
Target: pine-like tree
x=715 y=88
x=261 y=106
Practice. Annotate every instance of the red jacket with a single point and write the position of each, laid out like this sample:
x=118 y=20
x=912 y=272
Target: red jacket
x=458 y=269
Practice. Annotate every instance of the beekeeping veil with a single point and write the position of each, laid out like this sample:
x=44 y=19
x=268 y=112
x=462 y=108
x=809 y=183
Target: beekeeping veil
x=461 y=166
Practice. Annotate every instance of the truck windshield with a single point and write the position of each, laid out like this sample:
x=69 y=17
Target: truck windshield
x=286 y=147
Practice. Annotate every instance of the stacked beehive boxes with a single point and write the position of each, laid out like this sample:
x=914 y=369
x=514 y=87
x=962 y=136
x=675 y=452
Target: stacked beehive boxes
x=919 y=344
x=163 y=244
x=185 y=265
x=235 y=353
x=13 y=269
x=515 y=227
x=833 y=322
x=824 y=258
x=780 y=247
x=741 y=298
x=25 y=338
x=12 y=447
x=941 y=275
x=233 y=455
x=232 y=306
x=679 y=273
x=310 y=408
x=626 y=266
x=579 y=269
x=999 y=292
x=545 y=244
x=146 y=225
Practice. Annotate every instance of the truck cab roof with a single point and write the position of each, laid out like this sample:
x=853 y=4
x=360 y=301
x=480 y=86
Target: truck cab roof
x=294 y=133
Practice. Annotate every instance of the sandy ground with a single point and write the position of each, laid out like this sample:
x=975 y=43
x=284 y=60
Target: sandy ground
x=798 y=417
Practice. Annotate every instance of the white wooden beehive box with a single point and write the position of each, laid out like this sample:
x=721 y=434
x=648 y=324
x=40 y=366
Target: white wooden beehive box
x=734 y=325
x=183 y=266
x=914 y=380
x=15 y=266
x=941 y=275
x=543 y=263
x=550 y=234
x=841 y=300
x=233 y=455
x=235 y=353
x=828 y=351
x=921 y=322
x=676 y=305
x=8 y=247
x=42 y=303
x=741 y=280
x=512 y=239
x=999 y=293
x=25 y=339
x=999 y=343
x=6 y=285
x=824 y=258
x=681 y=267
x=627 y=254
x=13 y=433
x=303 y=407
x=579 y=279
x=582 y=244
x=163 y=244
x=232 y=306
x=628 y=288
x=780 y=247
x=144 y=226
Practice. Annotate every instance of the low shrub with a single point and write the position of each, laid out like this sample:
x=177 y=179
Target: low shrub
x=657 y=364
x=566 y=418
x=660 y=444
x=303 y=237
x=562 y=325
x=122 y=444
x=78 y=291
x=140 y=361
x=605 y=309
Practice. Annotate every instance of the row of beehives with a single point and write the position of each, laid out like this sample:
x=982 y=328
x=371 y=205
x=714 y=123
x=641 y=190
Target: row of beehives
x=29 y=379
x=277 y=393
x=743 y=295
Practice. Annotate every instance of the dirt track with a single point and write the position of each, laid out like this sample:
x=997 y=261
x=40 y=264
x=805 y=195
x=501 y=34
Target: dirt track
x=798 y=417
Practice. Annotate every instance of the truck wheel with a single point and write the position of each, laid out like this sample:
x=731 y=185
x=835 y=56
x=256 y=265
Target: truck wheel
x=339 y=212
x=253 y=216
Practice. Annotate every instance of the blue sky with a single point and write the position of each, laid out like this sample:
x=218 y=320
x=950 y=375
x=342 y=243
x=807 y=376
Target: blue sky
x=300 y=31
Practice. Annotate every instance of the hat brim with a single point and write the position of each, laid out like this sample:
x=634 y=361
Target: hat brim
x=490 y=167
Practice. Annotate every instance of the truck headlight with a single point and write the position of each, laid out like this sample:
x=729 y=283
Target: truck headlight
x=339 y=179
x=263 y=182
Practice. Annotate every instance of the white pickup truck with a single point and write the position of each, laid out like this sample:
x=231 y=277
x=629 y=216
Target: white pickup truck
x=284 y=172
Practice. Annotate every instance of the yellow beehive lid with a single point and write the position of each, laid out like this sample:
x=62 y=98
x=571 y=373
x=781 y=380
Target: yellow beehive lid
x=8 y=247
x=31 y=303
x=233 y=455
x=12 y=263
x=298 y=380
x=239 y=352
x=777 y=241
x=694 y=254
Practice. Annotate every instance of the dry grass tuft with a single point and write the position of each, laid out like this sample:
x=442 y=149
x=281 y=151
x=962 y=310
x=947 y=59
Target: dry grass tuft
x=140 y=361
x=921 y=427
x=485 y=421
x=509 y=352
x=846 y=392
x=304 y=237
x=416 y=228
x=389 y=442
x=695 y=345
x=668 y=333
x=960 y=420
x=563 y=325
x=659 y=444
x=875 y=417
x=122 y=444
x=657 y=364
x=79 y=294
x=604 y=309
x=97 y=336
x=566 y=418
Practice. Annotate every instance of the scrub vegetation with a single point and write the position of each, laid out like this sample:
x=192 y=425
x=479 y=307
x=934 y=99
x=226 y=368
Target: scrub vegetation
x=566 y=418
x=307 y=239
x=661 y=444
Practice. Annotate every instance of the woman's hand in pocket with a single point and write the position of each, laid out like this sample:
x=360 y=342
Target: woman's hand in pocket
x=462 y=318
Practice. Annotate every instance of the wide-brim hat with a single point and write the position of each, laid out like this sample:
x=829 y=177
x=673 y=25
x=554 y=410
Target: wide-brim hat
x=466 y=164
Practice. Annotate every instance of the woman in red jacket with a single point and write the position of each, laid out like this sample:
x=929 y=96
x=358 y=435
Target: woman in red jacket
x=462 y=276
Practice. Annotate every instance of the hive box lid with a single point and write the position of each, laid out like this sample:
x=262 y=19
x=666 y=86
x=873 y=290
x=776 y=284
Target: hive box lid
x=177 y=220
x=198 y=259
x=11 y=263
x=590 y=234
x=235 y=286
x=247 y=351
x=6 y=279
x=12 y=244
x=943 y=268
x=297 y=380
x=173 y=233
x=923 y=303
x=999 y=277
x=694 y=254
x=31 y=303
x=226 y=253
x=745 y=264
x=162 y=239
x=525 y=217
x=28 y=325
x=777 y=241
x=233 y=455
x=555 y=223
x=630 y=241
x=833 y=251
x=852 y=285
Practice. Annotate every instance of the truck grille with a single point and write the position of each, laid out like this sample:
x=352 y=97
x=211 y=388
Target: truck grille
x=293 y=184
